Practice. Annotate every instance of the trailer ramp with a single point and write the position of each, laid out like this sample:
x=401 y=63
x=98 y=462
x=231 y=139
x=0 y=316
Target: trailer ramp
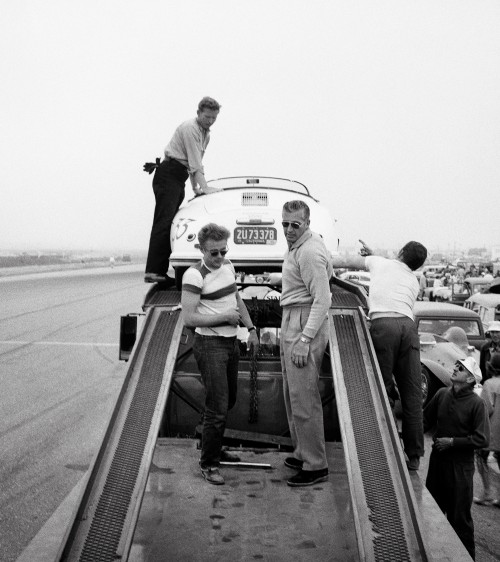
x=384 y=507
x=104 y=523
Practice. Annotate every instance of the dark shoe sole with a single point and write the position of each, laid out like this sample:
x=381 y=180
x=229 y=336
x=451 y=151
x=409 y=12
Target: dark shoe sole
x=308 y=482
x=206 y=476
x=413 y=463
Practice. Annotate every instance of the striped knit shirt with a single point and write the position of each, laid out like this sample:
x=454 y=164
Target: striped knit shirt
x=217 y=290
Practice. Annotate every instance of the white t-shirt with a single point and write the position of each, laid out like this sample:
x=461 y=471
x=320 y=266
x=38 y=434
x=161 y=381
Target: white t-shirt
x=217 y=290
x=393 y=286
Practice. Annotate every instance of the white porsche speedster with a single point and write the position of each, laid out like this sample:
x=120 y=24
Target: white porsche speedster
x=250 y=208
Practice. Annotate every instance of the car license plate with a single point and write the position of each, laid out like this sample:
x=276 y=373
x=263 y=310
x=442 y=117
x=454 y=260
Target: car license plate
x=255 y=235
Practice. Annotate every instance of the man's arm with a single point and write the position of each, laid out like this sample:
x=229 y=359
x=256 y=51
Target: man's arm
x=348 y=262
x=194 y=156
x=353 y=262
x=253 y=339
x=193 y=319
x=194 y=184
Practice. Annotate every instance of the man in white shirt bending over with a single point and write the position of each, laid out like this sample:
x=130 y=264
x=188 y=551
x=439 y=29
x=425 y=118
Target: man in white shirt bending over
x=393 y=291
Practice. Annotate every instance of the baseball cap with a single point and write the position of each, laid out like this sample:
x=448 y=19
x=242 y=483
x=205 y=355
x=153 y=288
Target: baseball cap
x=471 y=365
x=494 y=326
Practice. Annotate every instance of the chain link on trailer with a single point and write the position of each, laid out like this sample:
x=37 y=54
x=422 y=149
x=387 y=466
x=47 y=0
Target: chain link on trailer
x=253 y=414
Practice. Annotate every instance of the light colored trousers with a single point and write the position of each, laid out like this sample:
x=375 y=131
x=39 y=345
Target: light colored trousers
x=301 y=390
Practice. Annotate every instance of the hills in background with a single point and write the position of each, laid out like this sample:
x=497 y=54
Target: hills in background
x=59 y=257
x=13 y=258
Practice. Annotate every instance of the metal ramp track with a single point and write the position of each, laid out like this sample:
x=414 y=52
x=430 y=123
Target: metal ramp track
x=385 y=510
x=103 y=527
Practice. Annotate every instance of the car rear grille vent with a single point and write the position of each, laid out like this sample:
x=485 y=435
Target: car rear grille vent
x=254 y=199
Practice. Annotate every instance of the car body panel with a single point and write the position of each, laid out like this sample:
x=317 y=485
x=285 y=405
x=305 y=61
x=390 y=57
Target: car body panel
x=250 y=207
x=457 y=292
x=358 y=277
x=436 y=318
x=486 y=305
x=440 y=356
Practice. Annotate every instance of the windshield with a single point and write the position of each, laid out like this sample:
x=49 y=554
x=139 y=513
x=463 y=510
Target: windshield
x=439 y=326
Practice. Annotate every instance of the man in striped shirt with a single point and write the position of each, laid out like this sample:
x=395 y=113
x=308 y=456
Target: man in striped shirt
x=212 y=305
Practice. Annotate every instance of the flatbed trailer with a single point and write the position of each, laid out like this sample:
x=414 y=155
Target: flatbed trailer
x=144 y=498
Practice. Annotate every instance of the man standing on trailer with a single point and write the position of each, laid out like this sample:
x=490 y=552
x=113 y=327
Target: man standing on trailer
x=393 y=291
x=183 y=158
x=213 y=306
x=305 y=300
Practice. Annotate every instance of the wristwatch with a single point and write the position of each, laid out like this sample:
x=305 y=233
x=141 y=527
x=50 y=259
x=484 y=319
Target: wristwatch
x=251 y=328
x=303 y=339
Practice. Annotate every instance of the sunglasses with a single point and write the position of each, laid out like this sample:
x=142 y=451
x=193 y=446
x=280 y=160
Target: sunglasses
x=214 y=253
x=459 y=367
x=295 y=225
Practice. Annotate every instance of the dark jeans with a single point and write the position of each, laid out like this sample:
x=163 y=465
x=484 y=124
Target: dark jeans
x=217 y=358
x=168 y=186
x=451 y=484
x=397 y=346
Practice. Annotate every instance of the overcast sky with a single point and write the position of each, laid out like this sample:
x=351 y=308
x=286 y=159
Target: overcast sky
x=387 y=110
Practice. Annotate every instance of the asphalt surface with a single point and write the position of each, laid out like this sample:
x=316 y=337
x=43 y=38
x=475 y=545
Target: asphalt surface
x=60 y=377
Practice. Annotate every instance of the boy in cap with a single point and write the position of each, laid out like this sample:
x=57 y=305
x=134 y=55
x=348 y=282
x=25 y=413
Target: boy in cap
x=489 y=347
x=460 y=421
x=491 y=395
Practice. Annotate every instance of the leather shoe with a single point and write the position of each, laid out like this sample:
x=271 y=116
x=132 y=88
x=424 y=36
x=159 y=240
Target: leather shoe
x=212 y=475
x=292 y=462
x=308 y=477
x=226 y=456
x=413 y=463
x=154 y=278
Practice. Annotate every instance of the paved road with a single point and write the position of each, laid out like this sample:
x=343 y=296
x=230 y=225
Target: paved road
x=60 y=376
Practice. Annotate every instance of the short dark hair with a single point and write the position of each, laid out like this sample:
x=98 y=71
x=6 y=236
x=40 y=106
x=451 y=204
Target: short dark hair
x=208 y=103
x=297 y=205
x=413 y=254
x=212 y=231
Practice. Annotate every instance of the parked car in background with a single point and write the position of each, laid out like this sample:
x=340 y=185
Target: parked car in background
x=437 y=360
x=486 y=305
x=436 y=318
x=456 y=292
x=434 y=271
x=438 y=354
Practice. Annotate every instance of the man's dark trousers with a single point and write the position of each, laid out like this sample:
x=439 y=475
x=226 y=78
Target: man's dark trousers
x=450 y=482
x=168 y=186
x=397 y=346
x=218 y=359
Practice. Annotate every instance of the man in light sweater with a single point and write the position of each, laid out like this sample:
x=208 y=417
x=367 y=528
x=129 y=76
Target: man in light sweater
x=393 y=291
x=305 y=300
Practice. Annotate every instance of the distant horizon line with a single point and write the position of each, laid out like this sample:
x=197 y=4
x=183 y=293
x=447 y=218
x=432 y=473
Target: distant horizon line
x=110 y=250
